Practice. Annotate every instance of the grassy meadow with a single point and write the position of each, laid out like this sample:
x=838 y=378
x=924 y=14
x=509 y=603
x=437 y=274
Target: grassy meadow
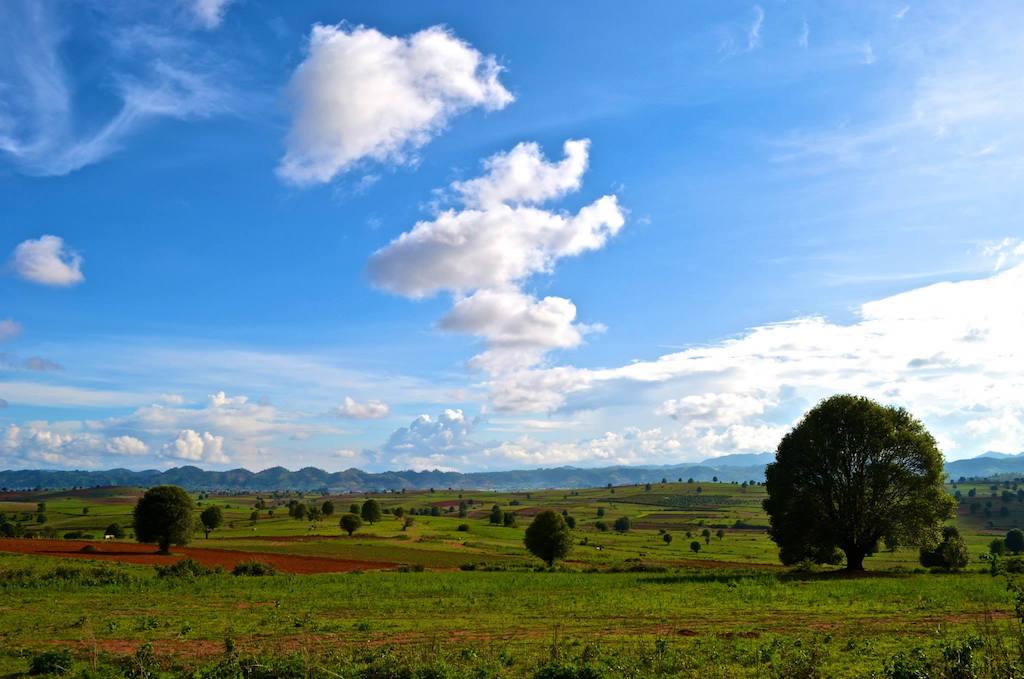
x=437 y=600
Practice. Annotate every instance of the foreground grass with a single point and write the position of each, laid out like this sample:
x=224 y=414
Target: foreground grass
x=736 y=624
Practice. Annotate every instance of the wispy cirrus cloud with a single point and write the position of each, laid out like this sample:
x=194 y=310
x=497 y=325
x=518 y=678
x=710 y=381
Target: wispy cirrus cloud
x=153 y=74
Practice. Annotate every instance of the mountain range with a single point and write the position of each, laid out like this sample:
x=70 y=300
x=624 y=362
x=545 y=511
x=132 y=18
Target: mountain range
x=740 y=467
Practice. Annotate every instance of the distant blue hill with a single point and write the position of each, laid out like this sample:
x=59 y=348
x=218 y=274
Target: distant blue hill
x=356 y=480
x=990 y=463
x=727 y=468
x=740 y=460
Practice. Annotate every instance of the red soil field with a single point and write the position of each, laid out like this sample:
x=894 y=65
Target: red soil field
x=126 y=552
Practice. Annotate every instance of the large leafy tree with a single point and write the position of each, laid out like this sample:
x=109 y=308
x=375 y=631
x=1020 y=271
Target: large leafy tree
x=164 y=516
x=548 y=537
x=852 y=474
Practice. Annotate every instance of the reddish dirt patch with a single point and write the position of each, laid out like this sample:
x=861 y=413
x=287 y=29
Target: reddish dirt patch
x=145 y=554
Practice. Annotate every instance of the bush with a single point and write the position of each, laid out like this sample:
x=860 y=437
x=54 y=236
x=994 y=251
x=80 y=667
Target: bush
x=58 y=661
x=350 y=523
x=463 y=528
x=186 y=568
x=622 y=524
x=1015 y=541
x=254 y=568
x=950 y=554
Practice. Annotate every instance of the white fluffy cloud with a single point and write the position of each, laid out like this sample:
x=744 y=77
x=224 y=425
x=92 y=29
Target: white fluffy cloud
x=362 y=94
x=498 y=243
x=949 y=352
x=42 y=444
x=519 y=328
x=209 y=13
x=196 y=447
x=48 y=262
x=431 y=443
x=126 y=445
x=484 y=252
x=524 y=176
x=371 y=410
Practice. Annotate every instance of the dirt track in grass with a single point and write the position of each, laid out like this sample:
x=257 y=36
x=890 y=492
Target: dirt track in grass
x=126 y=552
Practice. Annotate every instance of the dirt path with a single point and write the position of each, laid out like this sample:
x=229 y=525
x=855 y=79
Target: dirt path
x=127 y=552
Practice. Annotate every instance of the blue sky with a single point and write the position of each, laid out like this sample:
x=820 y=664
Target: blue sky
x=488 y=236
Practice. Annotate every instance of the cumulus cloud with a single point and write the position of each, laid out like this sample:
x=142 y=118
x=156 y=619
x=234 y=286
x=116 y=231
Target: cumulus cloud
x=468 y=249
x=209 y=13
x=716 y=409
x=524 y=176
x=47 y=261
x=483 y=252
x=949 y=352
x=9 y=329
x=519 y=328
x=360 y=94
x=39 y=444
x=126 y=445
x=195 y=447
x=430 y=442
x=371 y=410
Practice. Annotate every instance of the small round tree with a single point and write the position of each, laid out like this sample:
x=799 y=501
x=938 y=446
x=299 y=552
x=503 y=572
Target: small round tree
x=164 y=515
x=1015 y=541
x=371 y=511
x=327 y=508
x=212 y=518
x=706 y=534
x=497 y=516
x=851 y=475
x=695 y=546
x=115 y=531
x=350 y=523
x=667 y=537
x=622 y=524
x=548 y=538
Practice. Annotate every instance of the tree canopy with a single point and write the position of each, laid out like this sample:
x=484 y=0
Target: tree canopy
x=350 y=523
x=164 y=516
x=548 y=538
x=371 y=511
x=851 y=474
x=211 y=518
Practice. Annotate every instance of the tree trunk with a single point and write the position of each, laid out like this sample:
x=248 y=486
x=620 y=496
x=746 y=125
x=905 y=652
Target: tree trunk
x=854 y=561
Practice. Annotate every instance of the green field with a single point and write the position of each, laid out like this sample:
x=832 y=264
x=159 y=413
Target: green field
x=455 y=603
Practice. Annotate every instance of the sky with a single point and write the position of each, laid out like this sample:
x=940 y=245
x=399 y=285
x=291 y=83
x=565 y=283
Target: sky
x=482 y=236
